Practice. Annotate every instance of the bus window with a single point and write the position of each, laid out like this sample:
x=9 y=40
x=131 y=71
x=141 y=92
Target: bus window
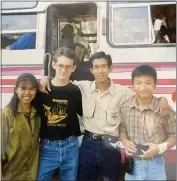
x=145 y=23
x=130 y=25
x=18 y=22
x=18 y=31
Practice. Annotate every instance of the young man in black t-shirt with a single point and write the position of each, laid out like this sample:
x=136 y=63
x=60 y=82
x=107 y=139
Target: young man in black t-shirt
x=59 y=147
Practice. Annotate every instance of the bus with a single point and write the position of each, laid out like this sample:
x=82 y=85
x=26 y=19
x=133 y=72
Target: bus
x=128 y=30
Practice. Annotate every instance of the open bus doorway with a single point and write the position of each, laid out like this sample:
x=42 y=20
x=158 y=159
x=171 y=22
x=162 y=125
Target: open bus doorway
x=83 y=18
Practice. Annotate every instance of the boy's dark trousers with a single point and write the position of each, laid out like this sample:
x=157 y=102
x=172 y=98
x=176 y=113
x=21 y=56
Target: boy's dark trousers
x=99 y=158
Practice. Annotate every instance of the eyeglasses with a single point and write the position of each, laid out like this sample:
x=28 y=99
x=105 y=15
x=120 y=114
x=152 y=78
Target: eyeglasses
x=66 y=67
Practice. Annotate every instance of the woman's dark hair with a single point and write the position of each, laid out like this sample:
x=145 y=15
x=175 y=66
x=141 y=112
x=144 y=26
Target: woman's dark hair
x=99 y=55
x=67 y=52
x=144 y=70
x=22 y=79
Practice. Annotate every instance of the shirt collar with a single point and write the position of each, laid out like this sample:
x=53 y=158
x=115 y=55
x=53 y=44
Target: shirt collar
x=94 y=87
x=33 y=110
x=151 y=106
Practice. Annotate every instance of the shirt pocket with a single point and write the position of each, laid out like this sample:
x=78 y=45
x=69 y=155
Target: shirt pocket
x=113 y=116
x=88 y=108
x=159 y=123
x=89 y=111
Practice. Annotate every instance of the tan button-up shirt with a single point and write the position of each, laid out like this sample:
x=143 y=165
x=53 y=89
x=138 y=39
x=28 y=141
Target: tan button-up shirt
x=101 y=111
x=143 y=125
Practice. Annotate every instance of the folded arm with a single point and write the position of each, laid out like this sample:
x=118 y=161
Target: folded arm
x=170 y=129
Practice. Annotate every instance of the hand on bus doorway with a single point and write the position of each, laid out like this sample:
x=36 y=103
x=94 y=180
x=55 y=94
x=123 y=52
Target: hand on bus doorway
x=163 y=109
x=45 y=84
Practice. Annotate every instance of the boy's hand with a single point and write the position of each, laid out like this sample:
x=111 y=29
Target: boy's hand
x=45 y=83
x=151 y=152
x=130 y=148
x=163 y=109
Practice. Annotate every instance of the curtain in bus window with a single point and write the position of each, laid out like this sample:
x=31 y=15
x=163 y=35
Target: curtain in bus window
x=130 y=25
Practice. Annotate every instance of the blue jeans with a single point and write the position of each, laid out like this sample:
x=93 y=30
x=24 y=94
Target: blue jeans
x=98 y=159
x=148 y=170
x=62 y=154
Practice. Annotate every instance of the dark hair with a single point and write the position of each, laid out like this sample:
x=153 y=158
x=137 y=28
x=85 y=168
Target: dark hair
x=68 y=30
x=99 y=55
x=144 y=70
x=13 y=104
x=67 y=52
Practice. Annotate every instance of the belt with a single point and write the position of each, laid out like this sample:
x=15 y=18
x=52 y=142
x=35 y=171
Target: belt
x=94 y=135
x=138 y=157
x=106 y=137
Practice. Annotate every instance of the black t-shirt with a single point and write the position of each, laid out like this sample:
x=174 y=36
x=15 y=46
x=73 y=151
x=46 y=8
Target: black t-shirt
x=58 y=111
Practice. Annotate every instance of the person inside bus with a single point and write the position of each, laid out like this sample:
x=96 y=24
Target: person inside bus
x=102 y=100
x=75 y=42
x=146 y=137
x=26 y=41
x=59 y=147
x=82 y=49
x=67 y=39
x=20 y=127
x=161 y=29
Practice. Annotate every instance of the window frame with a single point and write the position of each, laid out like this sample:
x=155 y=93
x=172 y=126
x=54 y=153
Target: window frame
x=22 y=31
x=19 y=8
x=137 y=45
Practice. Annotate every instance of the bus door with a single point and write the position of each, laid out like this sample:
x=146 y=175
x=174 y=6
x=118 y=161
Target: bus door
x=83 y=18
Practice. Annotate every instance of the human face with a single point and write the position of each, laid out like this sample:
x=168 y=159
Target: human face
x=144 y=86
x=26 y=92
x=101 y=70
x=64 y=67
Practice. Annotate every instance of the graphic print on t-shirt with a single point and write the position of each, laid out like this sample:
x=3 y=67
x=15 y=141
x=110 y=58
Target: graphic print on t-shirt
x=56 y=113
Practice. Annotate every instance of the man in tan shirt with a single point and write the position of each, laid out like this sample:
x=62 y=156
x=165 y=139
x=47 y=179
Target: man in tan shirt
x=102 y=101
x=145 y=135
